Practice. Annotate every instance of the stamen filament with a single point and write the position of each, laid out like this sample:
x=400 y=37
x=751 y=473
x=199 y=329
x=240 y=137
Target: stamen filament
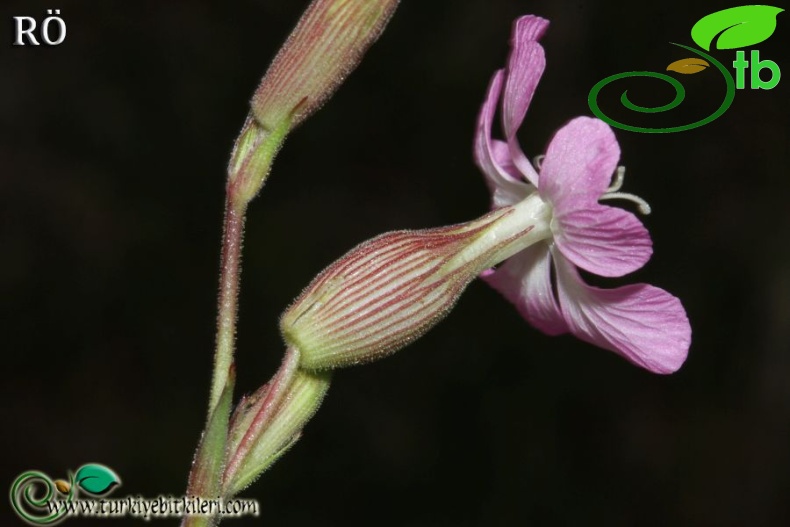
x=644 y=206
x=619 y=177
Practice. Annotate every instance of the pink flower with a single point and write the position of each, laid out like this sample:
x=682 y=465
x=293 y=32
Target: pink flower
x=644 y=324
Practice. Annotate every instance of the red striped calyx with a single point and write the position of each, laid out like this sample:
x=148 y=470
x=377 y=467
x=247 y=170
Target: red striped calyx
x=390 y=290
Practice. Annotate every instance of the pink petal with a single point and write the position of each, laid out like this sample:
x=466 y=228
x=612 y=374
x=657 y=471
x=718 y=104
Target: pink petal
x=642 y=323
x=603 y=240
x=520 y=161
x=524 y=70
x=579 y=164
x=525 y=280
x=515 y=188
x=504 y=181
x=501 y=155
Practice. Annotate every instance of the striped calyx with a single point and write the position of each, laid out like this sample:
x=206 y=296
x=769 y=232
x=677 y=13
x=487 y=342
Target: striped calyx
x=268 y=422
x=388 y=291
x=323 y=49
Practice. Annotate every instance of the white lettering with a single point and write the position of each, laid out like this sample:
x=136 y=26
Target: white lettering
x=21 y=31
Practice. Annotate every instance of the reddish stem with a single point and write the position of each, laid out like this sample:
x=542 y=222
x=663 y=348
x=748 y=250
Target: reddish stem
x=230 y=275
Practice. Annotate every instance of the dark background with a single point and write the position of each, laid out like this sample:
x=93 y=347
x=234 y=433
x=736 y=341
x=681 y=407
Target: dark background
x=113 y=153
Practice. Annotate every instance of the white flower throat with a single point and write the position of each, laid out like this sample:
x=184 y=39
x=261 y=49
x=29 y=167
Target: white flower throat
x=529 y=221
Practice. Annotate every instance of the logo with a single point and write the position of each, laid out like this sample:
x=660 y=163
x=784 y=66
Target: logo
x=734 y=28
x=39 y=500
x=37 y=508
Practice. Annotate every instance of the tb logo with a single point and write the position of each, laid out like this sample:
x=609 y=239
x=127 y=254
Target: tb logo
x=756 y=82
x=737 y=27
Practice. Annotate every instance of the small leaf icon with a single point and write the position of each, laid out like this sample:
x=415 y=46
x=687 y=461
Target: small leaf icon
x=688 y=66
x=62 y=486
x=96 y=479
x=740 y=27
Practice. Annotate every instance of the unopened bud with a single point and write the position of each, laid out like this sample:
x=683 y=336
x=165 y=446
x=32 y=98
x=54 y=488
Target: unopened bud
x=270 y=421
x=323 y=49
x=388 y=291
x=320 y=53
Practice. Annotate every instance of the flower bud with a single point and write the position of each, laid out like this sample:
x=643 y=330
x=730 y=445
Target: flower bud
x=388 y=291
x=322 y=50
x=267 y=423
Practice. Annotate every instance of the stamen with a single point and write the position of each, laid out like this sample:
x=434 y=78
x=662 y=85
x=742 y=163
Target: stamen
x=644 y=206
x=617 y=183
x=537 y=161
x=619 y=176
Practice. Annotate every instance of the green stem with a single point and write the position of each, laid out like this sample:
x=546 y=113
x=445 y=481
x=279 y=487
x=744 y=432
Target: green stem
x=204 y=478
x=228 y=297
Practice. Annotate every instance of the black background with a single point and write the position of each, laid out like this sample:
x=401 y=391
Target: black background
x=113 y=153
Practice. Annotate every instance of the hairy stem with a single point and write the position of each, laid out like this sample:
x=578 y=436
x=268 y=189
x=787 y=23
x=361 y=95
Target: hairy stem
x=230 y=274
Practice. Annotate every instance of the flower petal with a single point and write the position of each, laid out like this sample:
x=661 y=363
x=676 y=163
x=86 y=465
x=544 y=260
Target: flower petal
x=644 y=324
x=516 y=187
x=501 y=155
x=603 y=240
x=525 y=280
x=492 y=157
x=579 y=164
x=524 y=69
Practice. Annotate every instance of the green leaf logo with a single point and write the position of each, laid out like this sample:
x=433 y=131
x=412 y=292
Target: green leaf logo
x=96 y=479
x=737 y=27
